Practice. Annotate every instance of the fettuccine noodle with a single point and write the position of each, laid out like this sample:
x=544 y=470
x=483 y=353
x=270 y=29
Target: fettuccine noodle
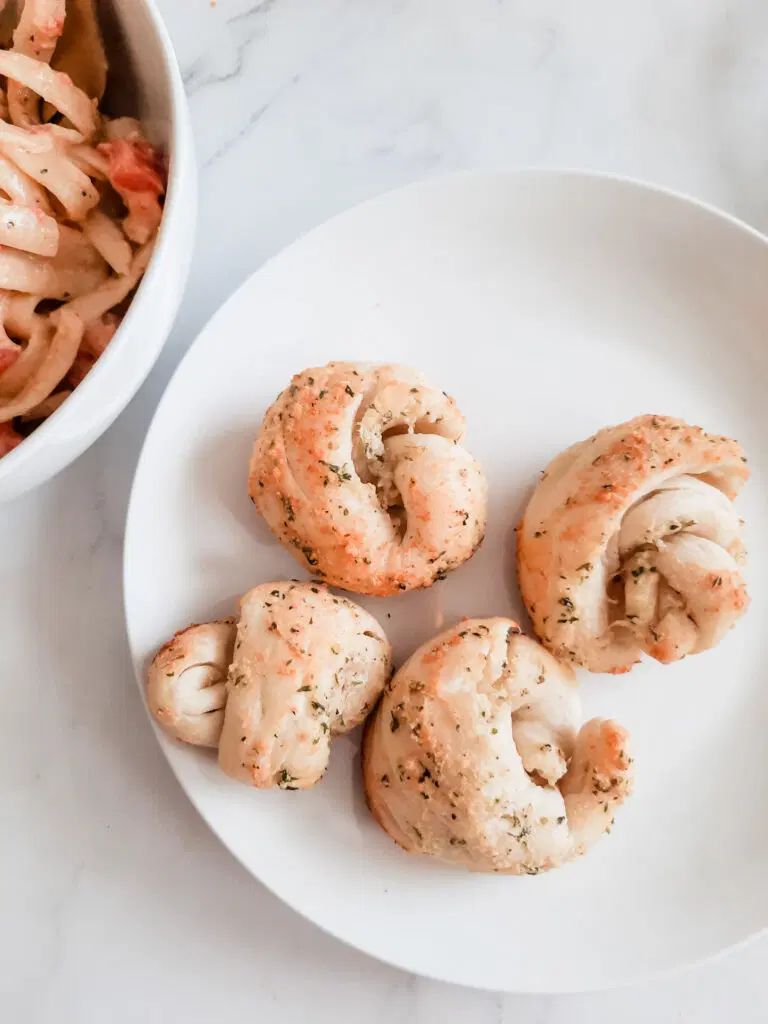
x=80 y=205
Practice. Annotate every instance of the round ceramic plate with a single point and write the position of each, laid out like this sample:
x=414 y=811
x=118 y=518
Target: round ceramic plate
x=549 y=305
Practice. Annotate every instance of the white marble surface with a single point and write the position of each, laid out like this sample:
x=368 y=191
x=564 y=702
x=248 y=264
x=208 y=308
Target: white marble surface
x=116 y=903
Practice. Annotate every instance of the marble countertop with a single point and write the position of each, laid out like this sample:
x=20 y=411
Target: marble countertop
x=117 y=903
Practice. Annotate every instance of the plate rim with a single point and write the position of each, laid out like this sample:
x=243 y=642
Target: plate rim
x=633 y=184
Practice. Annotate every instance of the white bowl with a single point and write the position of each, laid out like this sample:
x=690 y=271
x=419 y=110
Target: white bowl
x=145 y=82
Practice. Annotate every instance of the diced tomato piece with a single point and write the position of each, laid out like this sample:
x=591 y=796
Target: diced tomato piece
x=80 y=369
x=137 y=174
x=134 y=166
x=99 y=333
x=9 y=438
x=8 y=357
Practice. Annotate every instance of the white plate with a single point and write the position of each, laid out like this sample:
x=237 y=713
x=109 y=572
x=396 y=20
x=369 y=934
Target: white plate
x=549 y=305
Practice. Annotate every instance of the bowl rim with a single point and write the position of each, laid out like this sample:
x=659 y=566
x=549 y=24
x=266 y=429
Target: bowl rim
x=181 y=153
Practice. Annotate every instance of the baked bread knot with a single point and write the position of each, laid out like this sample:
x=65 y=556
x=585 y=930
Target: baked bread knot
x=359 y=471
x=187 y=682
x=475 y=755
x=631 y=544
x=271 y=688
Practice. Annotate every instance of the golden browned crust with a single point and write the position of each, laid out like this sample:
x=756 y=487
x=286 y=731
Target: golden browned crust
x=307 y=665
x=359 y=471
x=569 y=544
x=474 y=755
x=271 y=688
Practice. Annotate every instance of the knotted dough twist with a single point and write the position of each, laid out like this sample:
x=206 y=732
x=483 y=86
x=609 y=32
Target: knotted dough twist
x=270 y=689
x=475 y=756
x=631 y=544
x=358 y=469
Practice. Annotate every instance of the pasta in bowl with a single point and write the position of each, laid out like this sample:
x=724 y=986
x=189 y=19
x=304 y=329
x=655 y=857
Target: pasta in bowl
x=89 y=203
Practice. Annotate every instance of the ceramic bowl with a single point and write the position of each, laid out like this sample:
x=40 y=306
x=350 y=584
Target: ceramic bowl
x=144 y=82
